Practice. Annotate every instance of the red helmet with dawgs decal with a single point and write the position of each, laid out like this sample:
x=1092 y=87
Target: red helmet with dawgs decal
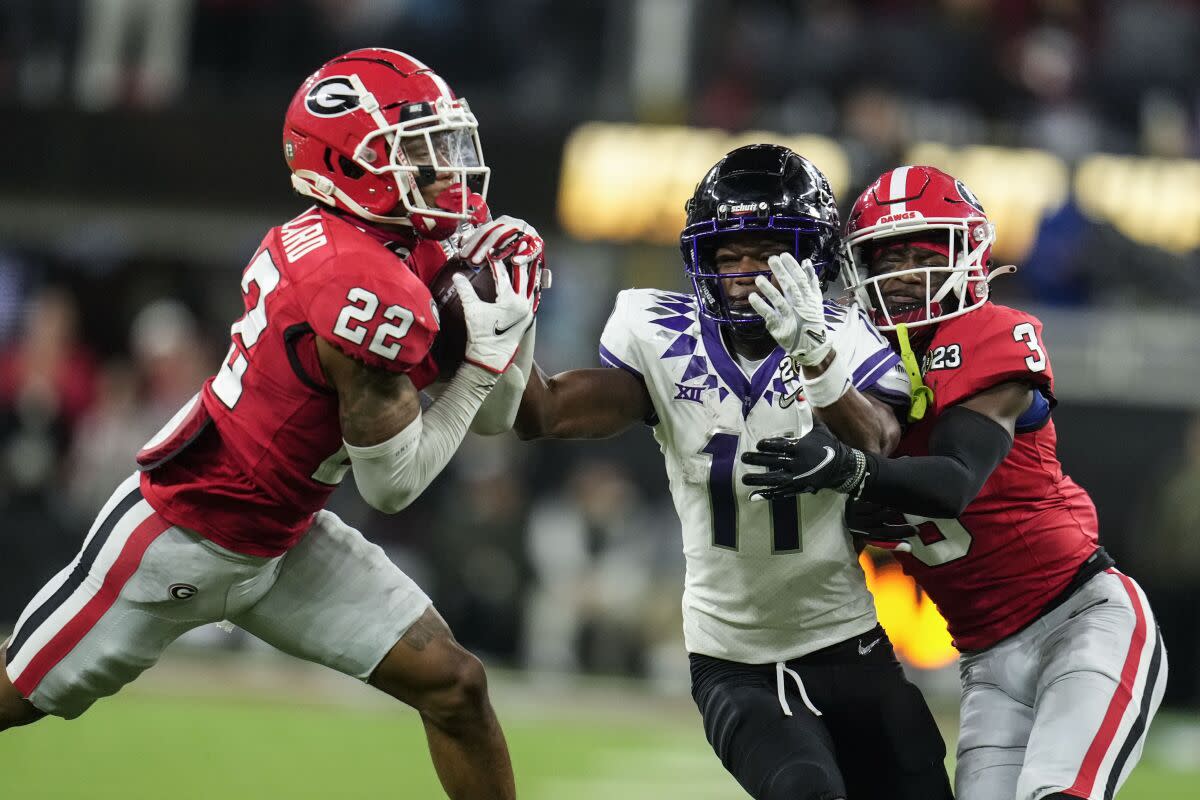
x=932 y=210
x=370 y=128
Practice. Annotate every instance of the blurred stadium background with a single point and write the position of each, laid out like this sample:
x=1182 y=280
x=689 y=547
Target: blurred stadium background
x=143 y=165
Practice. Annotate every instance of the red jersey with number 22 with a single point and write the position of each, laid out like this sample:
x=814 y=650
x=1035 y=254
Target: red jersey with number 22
x=1024 y=536
x=259 y=450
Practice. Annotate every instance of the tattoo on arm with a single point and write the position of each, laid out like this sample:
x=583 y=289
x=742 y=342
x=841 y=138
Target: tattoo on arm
x=424 y=631
x=373 y=404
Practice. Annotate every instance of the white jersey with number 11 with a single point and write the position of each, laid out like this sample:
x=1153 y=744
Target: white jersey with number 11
x=766 y=581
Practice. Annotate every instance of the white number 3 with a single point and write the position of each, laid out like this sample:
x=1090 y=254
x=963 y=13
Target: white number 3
x=362 y=309
x=1025 y=333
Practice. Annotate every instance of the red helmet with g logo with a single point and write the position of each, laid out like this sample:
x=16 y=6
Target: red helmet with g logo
x=369 y=128
x=929 y=209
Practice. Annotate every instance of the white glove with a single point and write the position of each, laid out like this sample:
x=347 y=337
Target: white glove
x=795 y=317
x=494 y=330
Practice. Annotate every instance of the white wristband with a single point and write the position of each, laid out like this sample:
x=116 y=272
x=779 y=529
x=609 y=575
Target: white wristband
x=829 y=387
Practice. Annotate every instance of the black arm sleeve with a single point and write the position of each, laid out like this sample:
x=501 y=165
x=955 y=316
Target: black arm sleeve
x=965 y=448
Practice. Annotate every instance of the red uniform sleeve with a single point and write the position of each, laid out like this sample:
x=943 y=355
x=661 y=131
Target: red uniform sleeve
x=1003 y=345
x=374 y=309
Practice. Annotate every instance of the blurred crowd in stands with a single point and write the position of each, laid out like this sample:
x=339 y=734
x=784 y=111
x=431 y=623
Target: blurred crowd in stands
x=564 y=556
x=1069 y=76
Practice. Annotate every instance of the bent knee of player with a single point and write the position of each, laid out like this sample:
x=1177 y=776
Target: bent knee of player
x=433 y=673
x=461 y=699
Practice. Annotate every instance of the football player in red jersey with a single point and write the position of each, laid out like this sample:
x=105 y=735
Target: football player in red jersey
x=1062 y=664
x=225 y=519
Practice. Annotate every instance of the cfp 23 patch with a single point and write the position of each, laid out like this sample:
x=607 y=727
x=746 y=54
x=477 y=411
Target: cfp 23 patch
x=948 y=356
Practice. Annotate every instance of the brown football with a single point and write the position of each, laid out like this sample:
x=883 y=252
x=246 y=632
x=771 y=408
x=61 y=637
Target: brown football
x=449 y=348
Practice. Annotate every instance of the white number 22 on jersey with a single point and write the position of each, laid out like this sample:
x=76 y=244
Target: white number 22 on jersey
x=362 y=310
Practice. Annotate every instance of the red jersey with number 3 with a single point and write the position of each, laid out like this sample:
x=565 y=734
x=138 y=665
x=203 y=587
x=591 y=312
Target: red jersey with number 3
x=1022 y=539
x=259 y=451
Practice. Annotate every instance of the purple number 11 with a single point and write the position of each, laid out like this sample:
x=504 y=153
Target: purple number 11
x=785 y=519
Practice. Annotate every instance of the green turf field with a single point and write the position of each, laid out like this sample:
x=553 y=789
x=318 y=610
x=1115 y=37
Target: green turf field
x=299 y=742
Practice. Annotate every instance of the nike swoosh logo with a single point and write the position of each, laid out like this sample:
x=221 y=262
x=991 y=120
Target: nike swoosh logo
x=500 y=331
x=819 y=467
x=862 y=651
x=784 y=402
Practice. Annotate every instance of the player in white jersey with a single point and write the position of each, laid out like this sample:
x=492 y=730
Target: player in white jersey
x=800 y=691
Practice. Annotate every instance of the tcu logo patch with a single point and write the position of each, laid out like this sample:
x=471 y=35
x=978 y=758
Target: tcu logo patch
x=181 y=591
x=332 y=97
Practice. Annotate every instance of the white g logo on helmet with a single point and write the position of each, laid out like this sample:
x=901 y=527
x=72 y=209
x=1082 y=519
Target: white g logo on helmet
x=332 y=97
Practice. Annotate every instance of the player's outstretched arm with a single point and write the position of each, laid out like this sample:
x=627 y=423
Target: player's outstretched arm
x=581 y=404
x=967 y=444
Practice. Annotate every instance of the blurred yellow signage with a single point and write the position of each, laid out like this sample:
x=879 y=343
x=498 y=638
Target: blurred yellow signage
x=628 y=183
x=1153 y=201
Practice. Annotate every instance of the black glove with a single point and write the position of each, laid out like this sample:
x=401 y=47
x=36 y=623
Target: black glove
x=809 y=464
x=879 y=525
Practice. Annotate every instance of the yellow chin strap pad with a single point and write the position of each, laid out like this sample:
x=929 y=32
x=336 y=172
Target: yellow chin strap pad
x=922 y=395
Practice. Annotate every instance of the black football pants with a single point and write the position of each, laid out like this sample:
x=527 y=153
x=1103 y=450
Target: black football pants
x=875 y=738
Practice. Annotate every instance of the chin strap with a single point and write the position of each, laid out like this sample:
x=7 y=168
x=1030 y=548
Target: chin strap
x=922 y=395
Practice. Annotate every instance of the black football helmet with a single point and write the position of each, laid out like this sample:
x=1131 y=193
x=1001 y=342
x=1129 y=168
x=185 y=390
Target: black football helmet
x=759 y=187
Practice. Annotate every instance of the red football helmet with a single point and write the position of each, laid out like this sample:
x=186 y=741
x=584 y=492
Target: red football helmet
x=933 y=210
x=370 y=127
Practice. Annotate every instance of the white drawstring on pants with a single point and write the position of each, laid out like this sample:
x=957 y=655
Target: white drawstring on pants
x=780 y=685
